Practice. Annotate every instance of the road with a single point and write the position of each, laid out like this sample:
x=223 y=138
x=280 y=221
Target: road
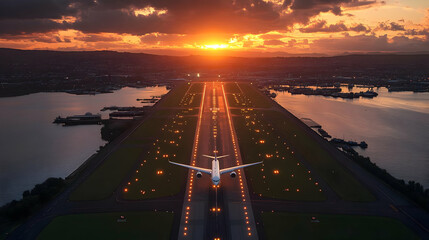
x=223 y=212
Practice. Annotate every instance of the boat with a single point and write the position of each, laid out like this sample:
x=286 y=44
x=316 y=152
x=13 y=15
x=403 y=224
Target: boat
x=369 y=94
x=126 y=114
x=87 y=118
x=363 y=144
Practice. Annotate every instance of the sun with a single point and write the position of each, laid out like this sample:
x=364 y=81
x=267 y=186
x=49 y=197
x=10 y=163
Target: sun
x=214 y=46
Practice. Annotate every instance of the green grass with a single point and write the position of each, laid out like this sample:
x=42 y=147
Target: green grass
x=299 y=226
x=339 y=179
x=174 y=97
x=235 y=100
x=155 y=177
x=103 y=182
x=254 y=97
x=148 y=129
x=139 y=225
x=6 y=228
x=147 y=182
x=231 y=88
x=291 y=182
x=193 y=98
x=195 y=101
x=235 y=111
x=196 y=88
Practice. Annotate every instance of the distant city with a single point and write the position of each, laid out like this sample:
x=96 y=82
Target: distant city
x=23 y=72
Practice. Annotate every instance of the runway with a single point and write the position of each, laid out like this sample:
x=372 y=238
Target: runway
x=222 y=212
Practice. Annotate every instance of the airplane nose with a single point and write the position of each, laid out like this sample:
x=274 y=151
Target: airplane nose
x=216 y=180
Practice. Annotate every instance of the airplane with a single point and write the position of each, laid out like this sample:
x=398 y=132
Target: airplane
x=215 y=172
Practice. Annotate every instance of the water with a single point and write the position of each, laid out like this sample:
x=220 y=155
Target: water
x=33 y=149
x=395 y=126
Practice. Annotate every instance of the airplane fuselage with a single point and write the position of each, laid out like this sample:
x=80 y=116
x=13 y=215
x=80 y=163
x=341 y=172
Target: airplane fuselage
x=215 y=172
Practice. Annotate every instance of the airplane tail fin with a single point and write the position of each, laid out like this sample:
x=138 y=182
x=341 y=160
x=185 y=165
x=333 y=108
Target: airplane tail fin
x=215 y=157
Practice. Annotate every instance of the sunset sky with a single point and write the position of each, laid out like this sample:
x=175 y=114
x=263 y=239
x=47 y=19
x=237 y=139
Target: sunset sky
x=220 y=27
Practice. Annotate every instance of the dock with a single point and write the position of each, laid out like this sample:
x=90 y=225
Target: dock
x=311 y=123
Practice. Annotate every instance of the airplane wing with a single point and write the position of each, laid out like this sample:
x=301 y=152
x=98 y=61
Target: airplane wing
x=204 y=170
x=227 y=170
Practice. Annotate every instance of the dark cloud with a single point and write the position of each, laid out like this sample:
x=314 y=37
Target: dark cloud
x=391 y=26
x=416 y=32
x=356 y=3
x=182 y=17
x=371 y=43
x=46 y=9
x=359 y=28
x=27 y=26
x=322 y=26
x=334 y=6
x=98 y=38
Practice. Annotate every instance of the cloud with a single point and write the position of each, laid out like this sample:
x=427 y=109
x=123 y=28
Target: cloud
x=371 y=43
x=41 y=9
x=26 y=26
x=360 y=28
x=322 y=26
x=271 y=36
x=391 y=26
x=98 y=38
x=291 y=43
x=273 y=42
x=415 y=32
x=181 y=17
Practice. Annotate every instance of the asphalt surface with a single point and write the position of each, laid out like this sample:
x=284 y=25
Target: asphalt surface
x=222 y=212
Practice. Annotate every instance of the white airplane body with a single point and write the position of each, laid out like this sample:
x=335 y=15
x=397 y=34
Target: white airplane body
x=215 y=171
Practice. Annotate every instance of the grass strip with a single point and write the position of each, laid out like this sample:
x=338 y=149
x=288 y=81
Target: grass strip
x=138 y=225
x=278 y=225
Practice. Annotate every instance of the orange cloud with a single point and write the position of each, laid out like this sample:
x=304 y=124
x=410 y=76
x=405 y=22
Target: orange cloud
x=207 y=27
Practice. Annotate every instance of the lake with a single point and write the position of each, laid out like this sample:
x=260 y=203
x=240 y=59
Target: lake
x=395 y=125
x=33 y=149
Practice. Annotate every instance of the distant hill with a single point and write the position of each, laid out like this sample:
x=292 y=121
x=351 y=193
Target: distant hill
x=14 y=61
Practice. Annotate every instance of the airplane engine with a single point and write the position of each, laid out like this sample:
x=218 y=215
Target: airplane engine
x=199 y=174
x=233 y=174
